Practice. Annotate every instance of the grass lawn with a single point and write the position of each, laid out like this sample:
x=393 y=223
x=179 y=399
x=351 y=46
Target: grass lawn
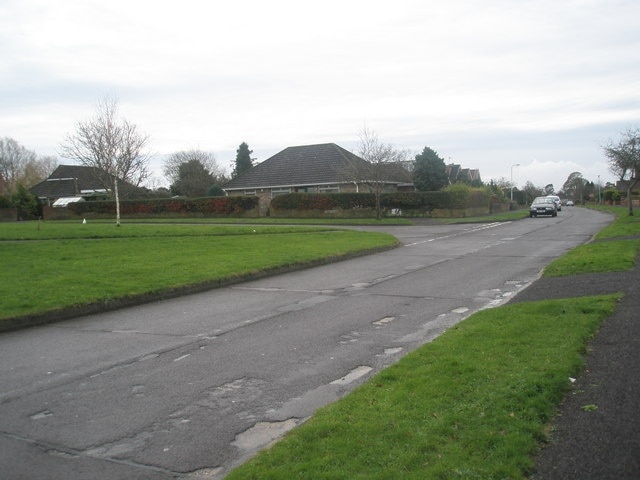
x=93 y=230
x=268 y=221
x=50 y=266
x=319 y=221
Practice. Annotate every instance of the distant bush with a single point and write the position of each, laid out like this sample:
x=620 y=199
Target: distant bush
x=611 y=195
x=28 y=205
x=458 y=195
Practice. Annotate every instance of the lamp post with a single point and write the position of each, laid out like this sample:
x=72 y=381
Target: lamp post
x=599 y=198
x=511 y=183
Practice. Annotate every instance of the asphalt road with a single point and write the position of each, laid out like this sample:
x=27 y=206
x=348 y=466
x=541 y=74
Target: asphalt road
x=190 y=387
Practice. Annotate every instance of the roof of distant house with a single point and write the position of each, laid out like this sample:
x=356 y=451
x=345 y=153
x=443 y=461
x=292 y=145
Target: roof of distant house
x=321 y=164
x=67 y=181
x=74 y=180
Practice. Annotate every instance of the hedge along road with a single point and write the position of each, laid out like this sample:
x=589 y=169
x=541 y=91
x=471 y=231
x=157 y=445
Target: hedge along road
x=192 y=386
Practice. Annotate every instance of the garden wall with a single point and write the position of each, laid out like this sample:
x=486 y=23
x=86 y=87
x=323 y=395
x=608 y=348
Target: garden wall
x=57 y=213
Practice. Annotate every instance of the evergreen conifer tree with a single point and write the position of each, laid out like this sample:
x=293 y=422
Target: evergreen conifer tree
x=243 y=160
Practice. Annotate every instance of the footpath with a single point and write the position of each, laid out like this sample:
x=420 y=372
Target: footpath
x=596 y=435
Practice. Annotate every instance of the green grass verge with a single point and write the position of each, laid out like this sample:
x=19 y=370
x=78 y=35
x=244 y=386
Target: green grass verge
x=66 y=265
x=261 y=221
x=615 y=250
x=624 y=225
x=93 y=230
x=474 y=403
x=598 y=257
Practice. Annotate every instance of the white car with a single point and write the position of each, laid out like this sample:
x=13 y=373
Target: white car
x=556 y=200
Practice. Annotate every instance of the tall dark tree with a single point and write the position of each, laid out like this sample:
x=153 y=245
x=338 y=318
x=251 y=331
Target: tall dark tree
x=429 y=172
x=194 y=180
x=574 y=187
x=243 y=160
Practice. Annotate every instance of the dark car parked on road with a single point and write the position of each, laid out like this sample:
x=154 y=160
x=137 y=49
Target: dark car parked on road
x=543 y=206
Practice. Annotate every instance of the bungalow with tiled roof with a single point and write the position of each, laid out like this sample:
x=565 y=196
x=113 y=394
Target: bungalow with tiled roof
x=311 y=169
x=72 y=183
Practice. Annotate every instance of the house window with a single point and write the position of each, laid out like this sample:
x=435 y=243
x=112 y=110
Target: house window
x=279 y=191
x=250 y=192
x=329 y=189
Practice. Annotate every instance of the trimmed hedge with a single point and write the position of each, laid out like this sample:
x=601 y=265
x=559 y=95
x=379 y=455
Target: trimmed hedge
x=424 y=201
x=454 y=201
x=323 y=201
x=192 y=207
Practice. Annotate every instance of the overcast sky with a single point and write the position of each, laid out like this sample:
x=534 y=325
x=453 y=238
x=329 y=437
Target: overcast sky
x=487 y=84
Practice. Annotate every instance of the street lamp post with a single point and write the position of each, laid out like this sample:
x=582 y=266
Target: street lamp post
x=511 y=183
x=599 y=198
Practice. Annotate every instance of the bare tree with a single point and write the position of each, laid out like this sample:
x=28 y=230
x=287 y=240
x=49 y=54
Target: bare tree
x=383 y=163
x=112 y=146
x=531 y=192
x=624 y=161
x=37 y=170
x=14 y=158
x=171 y=167
x=376 y=166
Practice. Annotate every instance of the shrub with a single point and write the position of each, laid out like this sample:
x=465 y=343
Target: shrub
x=611 y=195
x=28 y=205
x=458 y=195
